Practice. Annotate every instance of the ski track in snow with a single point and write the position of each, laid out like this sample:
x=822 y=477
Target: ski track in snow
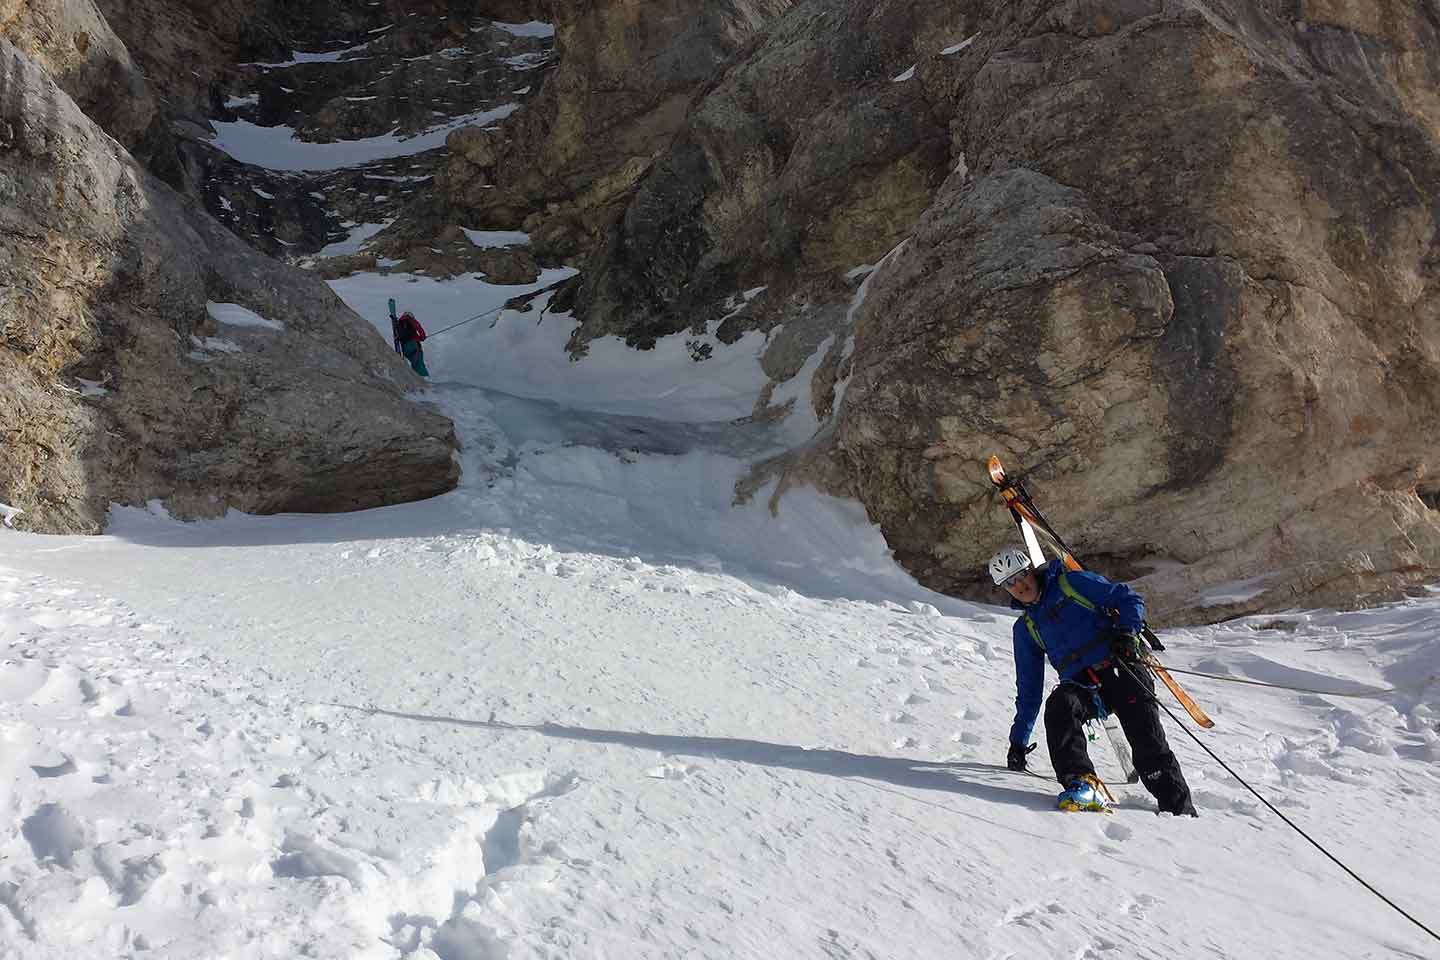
x=484 y=726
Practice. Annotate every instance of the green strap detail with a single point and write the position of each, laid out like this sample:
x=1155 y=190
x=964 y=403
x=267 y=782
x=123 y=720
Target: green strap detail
x=1070 y=592
x=1034 y=633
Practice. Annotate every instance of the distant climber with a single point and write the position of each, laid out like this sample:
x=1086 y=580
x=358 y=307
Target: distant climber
x=408 y=337
x=1089 y=629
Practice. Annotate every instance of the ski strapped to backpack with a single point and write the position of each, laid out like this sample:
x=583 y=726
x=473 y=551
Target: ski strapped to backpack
x=1024 y=511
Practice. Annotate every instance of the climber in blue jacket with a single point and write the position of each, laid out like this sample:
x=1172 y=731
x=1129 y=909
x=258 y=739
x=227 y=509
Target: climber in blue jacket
x=1089 y=629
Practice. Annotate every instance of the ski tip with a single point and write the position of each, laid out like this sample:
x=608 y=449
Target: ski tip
x=997 y=472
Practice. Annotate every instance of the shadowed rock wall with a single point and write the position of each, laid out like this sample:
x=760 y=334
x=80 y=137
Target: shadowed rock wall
x=119 y=386
x=626 y=74
x=1176 y=261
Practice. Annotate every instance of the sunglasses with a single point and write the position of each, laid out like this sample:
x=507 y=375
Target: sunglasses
x=1014 y=579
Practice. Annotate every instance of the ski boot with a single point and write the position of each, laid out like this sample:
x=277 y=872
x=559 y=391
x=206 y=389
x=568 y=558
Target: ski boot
x=1083 y=792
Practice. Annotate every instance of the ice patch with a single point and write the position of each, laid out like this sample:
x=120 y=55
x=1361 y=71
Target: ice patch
x=497 y=238
x=951 y=51
x=298 y=57
x=234 y=315
x=276 y=148
x=533 y=28
x=355 y=241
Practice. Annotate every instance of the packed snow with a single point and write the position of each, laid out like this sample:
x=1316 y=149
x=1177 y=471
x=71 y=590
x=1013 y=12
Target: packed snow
x=523 y=353
x=956 y=48
x=276 y=148
x=235 y=315
x=591 y=705
x=584 y=706
x=534 y=28
x=360 y=234
x=498 y=238
x=298 y=57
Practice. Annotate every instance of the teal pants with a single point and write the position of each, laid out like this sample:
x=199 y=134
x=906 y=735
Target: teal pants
x=411 y=351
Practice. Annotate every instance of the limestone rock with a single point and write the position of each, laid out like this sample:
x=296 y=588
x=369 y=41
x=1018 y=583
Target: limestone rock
x=74 y=42
x=1215 y=349
x=806 y=158
x=1175 y=261
x=612 y=98
x=122 y=386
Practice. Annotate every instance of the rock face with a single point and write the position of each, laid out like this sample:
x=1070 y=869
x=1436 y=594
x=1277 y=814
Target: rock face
x=1174 y=261
x=803 y=161
x=329 y=73
x=73 y=41
x=148 y=353
x=1216 y=347
x=618 y=90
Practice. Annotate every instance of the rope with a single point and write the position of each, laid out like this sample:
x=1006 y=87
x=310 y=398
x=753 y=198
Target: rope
x=522 y=298
x=1271 y=807
x=1420 y=685
x=1045 y=525
x=478 y=316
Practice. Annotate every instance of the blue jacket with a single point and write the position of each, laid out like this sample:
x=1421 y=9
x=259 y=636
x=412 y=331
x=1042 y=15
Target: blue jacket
x=1074 y=637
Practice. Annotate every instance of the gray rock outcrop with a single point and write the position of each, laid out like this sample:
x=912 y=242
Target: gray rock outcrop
x=802 y=161
x=1176 y=261
x=1173 y=259
x=73 y=41
x=122 y=385
x=621 y=85
x=1193 y=297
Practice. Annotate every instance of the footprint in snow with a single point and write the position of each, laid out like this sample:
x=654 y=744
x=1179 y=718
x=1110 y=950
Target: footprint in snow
x=670 y=771
x=65 y=767
x=1118 y=832
x=1138 y=904
x=54 y=834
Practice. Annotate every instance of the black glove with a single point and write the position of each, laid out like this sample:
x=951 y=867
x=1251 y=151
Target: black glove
x=1125 y=645
x=1015 y=759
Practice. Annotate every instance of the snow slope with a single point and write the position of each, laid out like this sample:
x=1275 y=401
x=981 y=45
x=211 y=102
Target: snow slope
x=583 y=707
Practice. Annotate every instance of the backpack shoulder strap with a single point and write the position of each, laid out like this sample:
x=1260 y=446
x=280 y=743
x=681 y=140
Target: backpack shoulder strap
x=1074 y=594
x=1034 y=632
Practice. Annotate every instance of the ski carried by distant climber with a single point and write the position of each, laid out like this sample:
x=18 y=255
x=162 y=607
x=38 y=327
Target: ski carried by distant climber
x=409 y=335
x=1025 y=513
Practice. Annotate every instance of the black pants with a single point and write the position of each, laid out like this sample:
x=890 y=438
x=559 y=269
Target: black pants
x=1129 y=694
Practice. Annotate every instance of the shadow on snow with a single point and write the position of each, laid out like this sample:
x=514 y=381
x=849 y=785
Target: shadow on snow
x=948 y=777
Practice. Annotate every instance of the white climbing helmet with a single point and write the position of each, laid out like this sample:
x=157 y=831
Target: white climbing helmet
x=1007 y=564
